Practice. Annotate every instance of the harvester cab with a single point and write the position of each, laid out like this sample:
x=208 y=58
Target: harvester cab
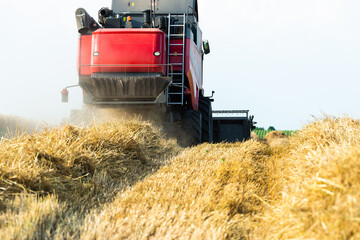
x=147 y=53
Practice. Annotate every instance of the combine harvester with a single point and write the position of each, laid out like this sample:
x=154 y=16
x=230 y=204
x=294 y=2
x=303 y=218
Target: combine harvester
x=148 y=56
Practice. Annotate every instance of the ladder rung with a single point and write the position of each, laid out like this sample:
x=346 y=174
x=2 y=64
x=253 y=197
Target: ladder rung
x=174 y=93
x=176 y=44
x=176 y=35
x=177 y=64
x=177 y=25
x=177 y=54
x=177 y=74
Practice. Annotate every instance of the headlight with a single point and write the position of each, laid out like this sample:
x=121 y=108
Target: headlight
x=156 y=54
x=96 y=54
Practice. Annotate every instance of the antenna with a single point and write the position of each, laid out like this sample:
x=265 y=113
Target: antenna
x=153 y=9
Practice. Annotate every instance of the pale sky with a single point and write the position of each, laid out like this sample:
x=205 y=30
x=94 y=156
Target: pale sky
x=284 y=60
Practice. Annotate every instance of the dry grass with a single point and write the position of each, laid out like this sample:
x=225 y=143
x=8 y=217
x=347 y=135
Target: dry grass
x=321 y=196
x=276 y=139
x=83 y=167
x=198 y=196
x=30 y=218
x=77 y=183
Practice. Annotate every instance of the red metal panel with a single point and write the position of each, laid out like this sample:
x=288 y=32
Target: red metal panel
x=128 y=47
x=84 y=55
x=194 y=64
x=193 y=70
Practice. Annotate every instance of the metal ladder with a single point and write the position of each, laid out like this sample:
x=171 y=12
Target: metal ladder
x=177 y=86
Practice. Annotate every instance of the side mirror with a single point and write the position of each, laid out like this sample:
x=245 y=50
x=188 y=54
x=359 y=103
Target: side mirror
x=206 y=46
x=64 y=95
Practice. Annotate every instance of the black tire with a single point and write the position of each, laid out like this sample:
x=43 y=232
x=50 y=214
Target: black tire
x=206 y=116
x=193 y=125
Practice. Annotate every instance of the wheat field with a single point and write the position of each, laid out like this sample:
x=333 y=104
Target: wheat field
x=124 y=180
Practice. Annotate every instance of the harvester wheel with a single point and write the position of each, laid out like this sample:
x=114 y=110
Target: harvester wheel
x=206 y=116
x=193 y=125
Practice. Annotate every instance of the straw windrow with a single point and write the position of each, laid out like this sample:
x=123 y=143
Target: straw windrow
x=322 y=188
x=83 y=167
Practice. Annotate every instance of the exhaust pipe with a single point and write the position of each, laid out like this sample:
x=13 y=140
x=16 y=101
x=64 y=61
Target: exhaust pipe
x=85 y=23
